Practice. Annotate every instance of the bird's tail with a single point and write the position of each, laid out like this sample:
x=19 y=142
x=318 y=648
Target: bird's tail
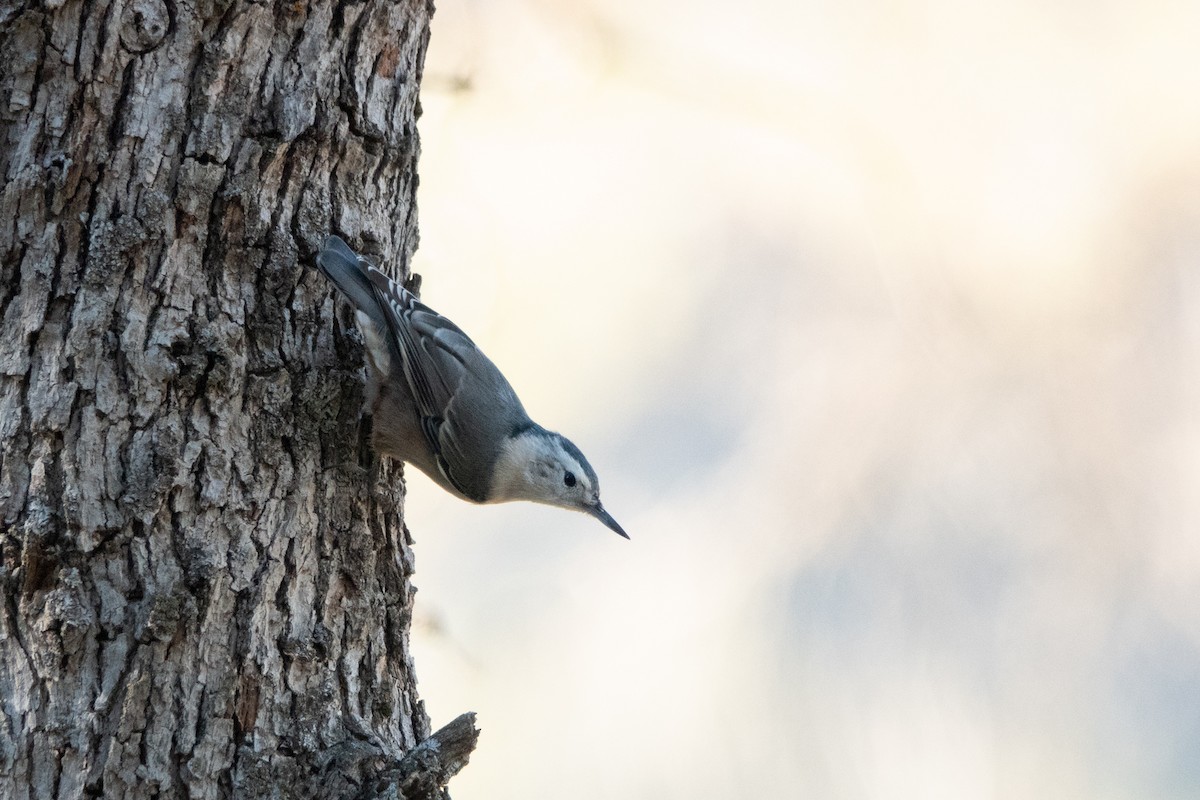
x=348 y=272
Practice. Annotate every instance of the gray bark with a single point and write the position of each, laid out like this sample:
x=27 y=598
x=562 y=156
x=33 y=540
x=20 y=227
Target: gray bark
x=205 y=575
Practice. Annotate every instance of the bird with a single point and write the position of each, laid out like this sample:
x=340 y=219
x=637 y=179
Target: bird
x=440 y=404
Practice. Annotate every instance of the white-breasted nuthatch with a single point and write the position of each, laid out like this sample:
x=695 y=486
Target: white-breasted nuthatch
x=441 y=405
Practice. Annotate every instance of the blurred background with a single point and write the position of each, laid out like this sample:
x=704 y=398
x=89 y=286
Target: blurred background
x=880 y=322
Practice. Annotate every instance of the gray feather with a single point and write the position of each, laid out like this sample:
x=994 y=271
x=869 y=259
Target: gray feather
x=467 y=407
x=348 y=272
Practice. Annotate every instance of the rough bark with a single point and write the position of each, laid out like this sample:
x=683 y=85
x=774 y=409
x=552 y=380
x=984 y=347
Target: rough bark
x=205 y=576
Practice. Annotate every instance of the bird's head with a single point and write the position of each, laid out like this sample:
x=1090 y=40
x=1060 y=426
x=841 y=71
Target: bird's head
x=546 y=467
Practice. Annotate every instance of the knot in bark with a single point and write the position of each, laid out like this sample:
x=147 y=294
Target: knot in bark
x=144 y=24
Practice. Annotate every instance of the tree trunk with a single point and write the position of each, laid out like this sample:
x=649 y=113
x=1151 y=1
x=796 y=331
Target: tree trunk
x=205 y=575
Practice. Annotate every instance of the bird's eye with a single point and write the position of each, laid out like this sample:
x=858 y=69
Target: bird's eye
x=569 y=479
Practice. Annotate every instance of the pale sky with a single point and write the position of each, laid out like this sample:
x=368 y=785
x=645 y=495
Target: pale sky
x=880 y=323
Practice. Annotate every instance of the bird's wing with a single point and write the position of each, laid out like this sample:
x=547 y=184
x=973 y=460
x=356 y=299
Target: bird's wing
x=466 y=406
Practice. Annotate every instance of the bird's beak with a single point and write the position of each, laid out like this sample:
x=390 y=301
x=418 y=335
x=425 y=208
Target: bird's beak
x=599 y=513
